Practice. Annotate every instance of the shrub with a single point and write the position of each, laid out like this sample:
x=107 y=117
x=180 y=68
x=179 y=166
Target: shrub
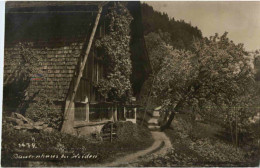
x=43 y=109
x=45 y=141
x=131 y=138
x=133 y=133
x=217 y=151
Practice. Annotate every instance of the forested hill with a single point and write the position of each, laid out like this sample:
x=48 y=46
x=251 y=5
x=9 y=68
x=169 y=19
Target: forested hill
x=181 y=33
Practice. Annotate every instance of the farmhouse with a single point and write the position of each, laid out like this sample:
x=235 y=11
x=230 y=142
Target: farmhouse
x=63 y=34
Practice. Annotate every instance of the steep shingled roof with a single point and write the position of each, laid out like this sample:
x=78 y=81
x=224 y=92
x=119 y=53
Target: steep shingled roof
x=57 y=37
x=58 y=66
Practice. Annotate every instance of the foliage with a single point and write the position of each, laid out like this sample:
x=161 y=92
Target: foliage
x=200 y=153
x=23 y=66
x=217 y=73
x=157 y=45
x=217 y=151
x=171 y=70
x=208 y=150
x=174 y=78
x=232 y=93
x=137 y=133
x=115 y=46
x=44 y=109
x=257 y=65
x=53 y=143
x=26 y=65
x=57 y=143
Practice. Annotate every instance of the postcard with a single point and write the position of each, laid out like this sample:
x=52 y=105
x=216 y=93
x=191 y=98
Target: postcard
x=131 y=84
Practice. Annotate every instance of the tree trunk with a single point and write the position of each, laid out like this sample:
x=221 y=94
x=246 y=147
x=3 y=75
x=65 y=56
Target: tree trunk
x=168 y=124
x=179 y=105
x=236 y=131
x=171 y=117
x=231 y=132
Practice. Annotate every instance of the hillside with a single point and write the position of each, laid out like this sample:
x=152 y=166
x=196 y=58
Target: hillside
x=181 y=33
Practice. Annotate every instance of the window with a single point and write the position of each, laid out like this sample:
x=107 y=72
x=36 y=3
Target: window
x=80 y=112
x=130 y=112
x=99 y=112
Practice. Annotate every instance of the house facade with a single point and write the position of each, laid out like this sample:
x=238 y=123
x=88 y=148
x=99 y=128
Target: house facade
x=60 y=32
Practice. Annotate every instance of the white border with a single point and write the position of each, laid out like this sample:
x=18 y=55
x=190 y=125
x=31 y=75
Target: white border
x=2 y=25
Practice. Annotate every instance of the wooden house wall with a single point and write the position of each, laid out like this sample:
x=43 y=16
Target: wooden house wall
x=87 y=100
x=60 y=65
x=62 y=58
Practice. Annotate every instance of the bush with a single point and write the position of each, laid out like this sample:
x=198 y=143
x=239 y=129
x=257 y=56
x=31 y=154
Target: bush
x=253 y=132
x=217 y=151
x=43 y=109
x=133 y=133
x=44 y=141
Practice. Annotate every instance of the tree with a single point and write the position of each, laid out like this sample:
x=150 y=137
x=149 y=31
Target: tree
x=216 y=71
x=257 y=65
x=158 y=47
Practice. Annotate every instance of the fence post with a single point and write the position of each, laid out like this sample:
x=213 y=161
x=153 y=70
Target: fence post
x=111 y=132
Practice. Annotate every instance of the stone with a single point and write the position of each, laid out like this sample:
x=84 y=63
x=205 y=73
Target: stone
x=38 y=127
x=27 y=126
x=45 y=125
x=38 y=123
x=20 y=116
x=17 y=127
x=15 y=121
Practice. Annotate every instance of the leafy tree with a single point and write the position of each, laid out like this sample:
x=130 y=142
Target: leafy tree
x=217 y=71
x=157 y=45
x=257 y=65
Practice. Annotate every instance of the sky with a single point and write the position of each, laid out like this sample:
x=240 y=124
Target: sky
x=241 y=19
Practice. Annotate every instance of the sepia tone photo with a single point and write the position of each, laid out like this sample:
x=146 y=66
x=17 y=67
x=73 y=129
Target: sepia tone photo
x=131 y=84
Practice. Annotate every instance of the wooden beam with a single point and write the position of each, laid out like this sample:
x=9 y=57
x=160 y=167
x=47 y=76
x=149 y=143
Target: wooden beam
x=114 y=113
x=67 y=126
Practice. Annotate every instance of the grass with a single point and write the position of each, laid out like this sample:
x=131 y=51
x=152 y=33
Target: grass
x=198 y=144
x=203 y=142
x=131 y=138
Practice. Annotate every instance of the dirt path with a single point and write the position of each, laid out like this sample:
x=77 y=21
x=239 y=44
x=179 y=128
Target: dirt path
x=160 y=146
